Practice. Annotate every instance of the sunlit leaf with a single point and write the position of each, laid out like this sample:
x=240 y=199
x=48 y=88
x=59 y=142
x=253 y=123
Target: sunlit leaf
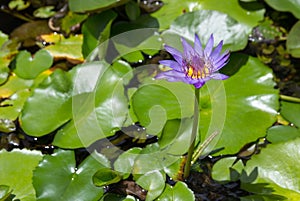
x=65 y=48
x=58 y=178
x=18 y=4
x=29 y=67
x=70 y=20
x=16 y=172
x=179 y=192
x=276 y=166
x=243 y=110
x=174 y=8
x=49 y=106
x=44 y=12
x=291 y=112
x=99 y=106
x=153 y=182
x=207 y=22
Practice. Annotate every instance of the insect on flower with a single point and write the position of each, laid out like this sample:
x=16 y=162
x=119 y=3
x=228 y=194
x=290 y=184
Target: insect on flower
x=195 y=65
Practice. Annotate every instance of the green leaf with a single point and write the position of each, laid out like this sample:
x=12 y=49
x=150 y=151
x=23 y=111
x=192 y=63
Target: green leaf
x=49 y=106
x=174 y=8
x=153 y=182
x=89 y=5
x=5 y=192
x=18 y=4
x=28 y=67
x=292 y=6
x=16 y=172
x=8 y=48
x=292 y=42
x=160 y=101
x=58 y=178
x=276 y=166
x=13 y=106
x=205 y=23
x=132 y=10
x=282 y=133
x=125 y=161
x=106 y=176
x=65 y=48
x=96 y=29
x=99 y=105
x=70 y=20
x=291 y=111
x=44 y=12
x=243 y=110
x=179 y=192
x=13 y=85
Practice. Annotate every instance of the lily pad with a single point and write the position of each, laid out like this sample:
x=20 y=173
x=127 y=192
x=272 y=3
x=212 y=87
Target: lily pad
x=292 y=6
x=175 y=8
x=292 y=42
x=291 y=112
x=65 y=48
x=16 y=172
x=178 y=192
x=106 y=176
x=282 y=133
x=280 y=173
x=250 y=99
x=153 y=182
x=99 y=105
x=29 y=67
x=205 y=23
x=44 y=12
x=58 y=178
x=89 y=5
x=49 y=106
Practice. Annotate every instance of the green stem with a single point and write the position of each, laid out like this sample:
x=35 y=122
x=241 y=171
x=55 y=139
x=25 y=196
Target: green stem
x=290 y=98
x=188 y=163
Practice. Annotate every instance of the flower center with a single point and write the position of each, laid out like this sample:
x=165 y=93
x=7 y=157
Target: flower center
x=194 y=73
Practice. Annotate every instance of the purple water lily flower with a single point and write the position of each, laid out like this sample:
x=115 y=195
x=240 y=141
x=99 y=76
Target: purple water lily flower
x=195 y=65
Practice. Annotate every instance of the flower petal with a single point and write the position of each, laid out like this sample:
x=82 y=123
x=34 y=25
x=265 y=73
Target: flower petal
x=188 y=50
x=209 y=45
x=173 y=64
x=221 y=62
x=198 y=46
x=214 y=55
x=175 y=53
x=218 y=76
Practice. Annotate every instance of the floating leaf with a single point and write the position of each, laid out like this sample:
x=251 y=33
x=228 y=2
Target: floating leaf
x=58 y=178
x=153 y=182
x=98 y=99
x=276 y=166
x=292 y=6
x=292 y=42
x=282 y=133
x=89 y=5
x=179 y=192
x=65 y=48
x=13 y=85
x=132 y=10
x=174 y=8
x=204 y=23
x=96 y=29
x=248 y=101
x=29 y=67
x=16 y=172
x=44 y=12
x=18 y=4
x=11 y=108
x=5 y=192
x=106 y=176
x=71 y=20
x=49 y=106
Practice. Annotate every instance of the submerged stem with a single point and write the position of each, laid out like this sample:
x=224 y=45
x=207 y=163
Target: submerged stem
x=188 y=163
